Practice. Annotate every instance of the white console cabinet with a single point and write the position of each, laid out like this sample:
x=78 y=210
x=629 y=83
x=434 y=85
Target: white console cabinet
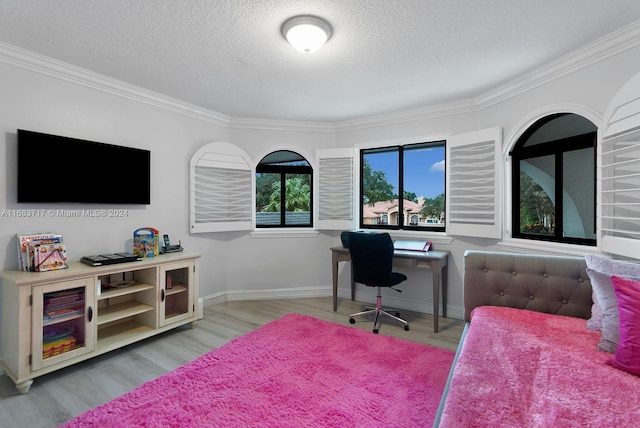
x=51 y=320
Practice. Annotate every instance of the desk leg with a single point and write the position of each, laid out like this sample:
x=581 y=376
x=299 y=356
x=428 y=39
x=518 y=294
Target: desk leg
x=436 y=273
x=445 y=289
x=334 y=271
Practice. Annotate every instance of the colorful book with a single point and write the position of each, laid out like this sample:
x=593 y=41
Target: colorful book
x=23 y=245
x=32 y=248
x=48 y=256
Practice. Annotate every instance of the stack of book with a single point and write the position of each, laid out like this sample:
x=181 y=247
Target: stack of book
x=39 y=252
x=63 y=303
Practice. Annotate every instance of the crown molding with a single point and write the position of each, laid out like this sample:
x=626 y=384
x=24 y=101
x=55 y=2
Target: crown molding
x=281 y=125
x=439 y=110
x=613 y=44
x=619 y=41
x=47 y=66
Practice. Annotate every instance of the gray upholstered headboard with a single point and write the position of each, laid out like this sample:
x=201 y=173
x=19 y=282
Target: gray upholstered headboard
x=552 y=284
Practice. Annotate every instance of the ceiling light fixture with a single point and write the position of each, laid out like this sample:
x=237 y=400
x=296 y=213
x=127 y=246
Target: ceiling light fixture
x=306 y=33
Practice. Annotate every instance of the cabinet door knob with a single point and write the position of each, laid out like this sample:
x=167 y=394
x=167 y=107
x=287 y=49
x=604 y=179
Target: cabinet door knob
x=162 y=295
x=90 y=314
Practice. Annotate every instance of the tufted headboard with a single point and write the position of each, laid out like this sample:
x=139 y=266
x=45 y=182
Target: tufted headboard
x=553 y=284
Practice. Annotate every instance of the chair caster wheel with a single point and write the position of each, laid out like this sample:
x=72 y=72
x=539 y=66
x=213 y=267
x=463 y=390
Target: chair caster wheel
x=406 y=328
x=375 y=331
x=352 y=321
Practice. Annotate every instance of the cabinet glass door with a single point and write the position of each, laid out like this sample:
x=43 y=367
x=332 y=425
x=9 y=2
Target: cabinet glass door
x=63 y=321
x=176 y=294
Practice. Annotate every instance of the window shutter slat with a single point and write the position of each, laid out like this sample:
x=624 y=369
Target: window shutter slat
x=620 y=191
x=335 y=195
x=473 y=184
x=619 y=173
x=221 y=195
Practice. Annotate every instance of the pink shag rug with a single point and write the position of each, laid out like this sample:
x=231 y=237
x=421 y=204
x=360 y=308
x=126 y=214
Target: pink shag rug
x=293 y=372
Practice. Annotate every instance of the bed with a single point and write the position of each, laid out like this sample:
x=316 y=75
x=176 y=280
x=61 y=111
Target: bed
x=528 y=356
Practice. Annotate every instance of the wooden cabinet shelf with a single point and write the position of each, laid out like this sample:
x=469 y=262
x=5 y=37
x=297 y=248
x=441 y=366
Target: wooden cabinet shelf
x=115 y=292
x=176 y=289
x=122 y=310
x=61 y=320
x=38 y=337
x=117 y=334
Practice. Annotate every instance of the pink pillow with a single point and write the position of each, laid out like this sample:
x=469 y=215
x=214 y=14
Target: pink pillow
x=627 y=356
x=600 y=269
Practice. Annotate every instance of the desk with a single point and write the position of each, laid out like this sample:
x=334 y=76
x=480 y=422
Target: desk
x=436 y=261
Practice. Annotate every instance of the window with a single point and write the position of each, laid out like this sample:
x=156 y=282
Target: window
x=283 y=191
x=554 y=181
x=415 y=171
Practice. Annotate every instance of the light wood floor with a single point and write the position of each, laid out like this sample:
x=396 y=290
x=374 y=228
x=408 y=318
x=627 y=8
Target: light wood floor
x=61 y=395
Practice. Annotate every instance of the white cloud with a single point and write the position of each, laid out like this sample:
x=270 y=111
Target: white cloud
x=437 y=167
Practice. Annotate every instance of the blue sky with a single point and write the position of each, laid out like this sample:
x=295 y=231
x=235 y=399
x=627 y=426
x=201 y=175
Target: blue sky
x=423 y=168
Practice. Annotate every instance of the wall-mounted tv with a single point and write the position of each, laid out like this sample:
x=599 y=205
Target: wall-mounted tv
x=56 y=169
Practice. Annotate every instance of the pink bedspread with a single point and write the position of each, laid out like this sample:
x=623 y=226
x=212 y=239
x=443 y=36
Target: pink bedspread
x=519 y=368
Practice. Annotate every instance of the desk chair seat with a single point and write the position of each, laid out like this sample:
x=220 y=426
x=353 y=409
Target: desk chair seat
x=371 y=265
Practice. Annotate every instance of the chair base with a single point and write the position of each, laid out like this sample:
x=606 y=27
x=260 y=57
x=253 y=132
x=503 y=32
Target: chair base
x=391 y=311
x=378 y=310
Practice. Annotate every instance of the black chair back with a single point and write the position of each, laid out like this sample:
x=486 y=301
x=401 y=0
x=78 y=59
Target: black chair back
x=371 y=258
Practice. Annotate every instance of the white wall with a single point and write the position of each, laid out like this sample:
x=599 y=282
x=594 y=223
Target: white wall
x=47 y=104
x=260 y=264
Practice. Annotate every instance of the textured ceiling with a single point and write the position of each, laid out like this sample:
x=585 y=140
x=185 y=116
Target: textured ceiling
x=384 y=56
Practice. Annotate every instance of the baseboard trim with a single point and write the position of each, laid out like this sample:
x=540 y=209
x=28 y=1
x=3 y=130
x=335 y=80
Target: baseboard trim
x=425 y=307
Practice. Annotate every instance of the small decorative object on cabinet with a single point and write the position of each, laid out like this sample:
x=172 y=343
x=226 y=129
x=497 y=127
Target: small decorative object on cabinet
x=54 y=319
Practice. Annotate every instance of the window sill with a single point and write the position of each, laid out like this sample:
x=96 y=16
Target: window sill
x=280 y=233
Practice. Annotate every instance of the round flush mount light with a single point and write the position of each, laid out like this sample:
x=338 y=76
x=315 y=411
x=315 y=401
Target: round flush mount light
x=306 y=33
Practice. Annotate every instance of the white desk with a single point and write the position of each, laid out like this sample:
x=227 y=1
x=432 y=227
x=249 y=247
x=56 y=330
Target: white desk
x=436 y=261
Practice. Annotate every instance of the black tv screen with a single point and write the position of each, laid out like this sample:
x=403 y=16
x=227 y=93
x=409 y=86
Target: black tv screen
x=52 y=169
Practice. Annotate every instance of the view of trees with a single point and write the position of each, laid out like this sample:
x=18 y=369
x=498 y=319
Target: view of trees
x=297 y=193
x=376 y=188
x=433 y=207
x=537 y=211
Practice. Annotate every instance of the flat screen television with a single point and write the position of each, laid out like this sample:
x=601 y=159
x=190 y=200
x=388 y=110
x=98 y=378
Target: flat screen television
x=55 y=169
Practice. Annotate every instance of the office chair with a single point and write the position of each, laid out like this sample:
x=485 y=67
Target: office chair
x=371 y=265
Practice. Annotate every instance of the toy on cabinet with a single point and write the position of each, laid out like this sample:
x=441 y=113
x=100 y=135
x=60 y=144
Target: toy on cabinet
x=146 y=242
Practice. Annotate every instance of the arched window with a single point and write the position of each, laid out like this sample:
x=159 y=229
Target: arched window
x=284 y=190
x=554 y=181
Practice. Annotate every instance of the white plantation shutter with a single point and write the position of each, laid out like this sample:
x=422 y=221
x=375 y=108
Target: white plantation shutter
x=221 y=183
x=335 y=189
x=619 y=173
x=474 y=184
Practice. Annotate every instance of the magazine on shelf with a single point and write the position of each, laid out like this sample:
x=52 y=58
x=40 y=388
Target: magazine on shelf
x=23 y=245
x=41 y=250
x=50 y=256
